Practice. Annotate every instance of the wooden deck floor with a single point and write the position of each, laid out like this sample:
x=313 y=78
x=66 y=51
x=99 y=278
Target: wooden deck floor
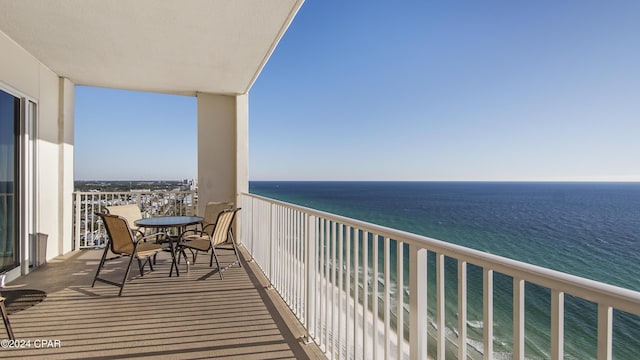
x=194 y=316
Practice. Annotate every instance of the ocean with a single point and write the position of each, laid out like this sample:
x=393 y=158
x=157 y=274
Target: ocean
x=589 y=229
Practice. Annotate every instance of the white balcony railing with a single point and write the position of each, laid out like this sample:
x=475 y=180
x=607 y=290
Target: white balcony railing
x=88 y=229
x=325 y=267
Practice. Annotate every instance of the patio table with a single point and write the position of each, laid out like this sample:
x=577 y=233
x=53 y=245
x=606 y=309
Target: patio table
x=166 y=222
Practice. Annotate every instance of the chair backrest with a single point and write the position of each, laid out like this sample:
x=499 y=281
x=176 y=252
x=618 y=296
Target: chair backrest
x=119 y=233
x=130 y=212
x=213 y=209
x=223 y=225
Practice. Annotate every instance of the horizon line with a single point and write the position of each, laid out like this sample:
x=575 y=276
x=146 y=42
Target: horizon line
x=378 y=180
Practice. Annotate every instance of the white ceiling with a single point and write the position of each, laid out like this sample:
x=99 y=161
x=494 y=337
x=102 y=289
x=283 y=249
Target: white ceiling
x=169 y=46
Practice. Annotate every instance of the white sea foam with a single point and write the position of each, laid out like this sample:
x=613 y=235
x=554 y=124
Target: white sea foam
x=357 y=347
x=476 y=345
x=476 y=324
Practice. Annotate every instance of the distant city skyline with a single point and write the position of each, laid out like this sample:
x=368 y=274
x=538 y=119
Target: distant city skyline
x=464 y=91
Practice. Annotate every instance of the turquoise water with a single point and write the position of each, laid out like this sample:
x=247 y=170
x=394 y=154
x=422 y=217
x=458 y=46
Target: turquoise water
x=585 y=229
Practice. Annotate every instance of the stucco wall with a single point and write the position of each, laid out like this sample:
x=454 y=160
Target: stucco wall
x=48 y=183
x=18 y=69
x=54 y=180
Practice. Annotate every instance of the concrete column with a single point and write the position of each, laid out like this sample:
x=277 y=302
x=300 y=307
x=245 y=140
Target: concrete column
x=242 y=157
x=222 y=148
x=65 y=146
x=242 y=145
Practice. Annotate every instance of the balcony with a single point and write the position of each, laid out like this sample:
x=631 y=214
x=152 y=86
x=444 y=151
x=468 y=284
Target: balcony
x=193 y=316
x=342 y=279
x=302 y=278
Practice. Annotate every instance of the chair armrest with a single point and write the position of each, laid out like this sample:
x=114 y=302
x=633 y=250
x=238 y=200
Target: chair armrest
x=139 y=234
x=189 y=232
x=154 y=235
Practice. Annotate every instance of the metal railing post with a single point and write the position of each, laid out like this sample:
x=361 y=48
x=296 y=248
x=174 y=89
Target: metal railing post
x=557 y=325
x=487 y=291
x=76 y=232
x=310 y=264
x=605 y=332
x=251 y=220
x=272 y=238
x=418 y=302
x=462 y=309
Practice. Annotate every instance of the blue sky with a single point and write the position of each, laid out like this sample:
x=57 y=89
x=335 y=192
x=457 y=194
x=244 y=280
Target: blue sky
x=128 y=135
x=412 y=90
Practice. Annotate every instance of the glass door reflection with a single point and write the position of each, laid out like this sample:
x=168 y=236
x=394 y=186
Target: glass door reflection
x=9 y=200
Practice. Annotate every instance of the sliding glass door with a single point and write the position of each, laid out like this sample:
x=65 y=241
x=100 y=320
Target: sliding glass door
x=9 y=181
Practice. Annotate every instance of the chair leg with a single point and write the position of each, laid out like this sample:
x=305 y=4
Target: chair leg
x=156 y=254
x=235 y=249
x=186 y=259
x=126 y=275
x=213 y=251
x=174 y=263
x=104 y=256
x=146 y=261
x=140 y=266
x=5 y=318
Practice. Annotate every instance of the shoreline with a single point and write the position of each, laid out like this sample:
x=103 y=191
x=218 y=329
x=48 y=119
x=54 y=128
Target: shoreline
x=451 y=338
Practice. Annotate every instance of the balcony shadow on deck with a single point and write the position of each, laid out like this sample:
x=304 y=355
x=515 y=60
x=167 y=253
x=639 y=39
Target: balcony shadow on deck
x=194 y=316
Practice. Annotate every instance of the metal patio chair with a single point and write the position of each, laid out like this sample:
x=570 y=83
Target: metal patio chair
x=212 y=236
x=211 y=212
x=123 y=242
x=131 y=213
x=213 y=209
